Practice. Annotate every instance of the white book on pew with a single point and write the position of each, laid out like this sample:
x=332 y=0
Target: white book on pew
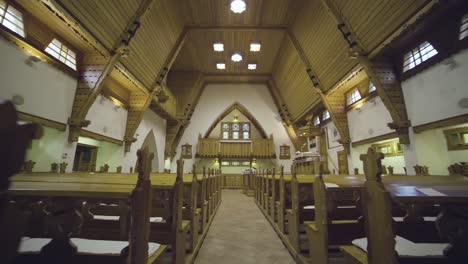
x=430 y=192
x=406 y=248
x=84 y=246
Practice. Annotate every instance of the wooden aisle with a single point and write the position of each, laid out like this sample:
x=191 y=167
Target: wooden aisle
x=241 y=234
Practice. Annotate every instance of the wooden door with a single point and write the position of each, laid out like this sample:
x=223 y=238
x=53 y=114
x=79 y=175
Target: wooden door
x=342 y=162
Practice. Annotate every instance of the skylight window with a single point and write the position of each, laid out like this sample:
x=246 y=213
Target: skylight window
x=372 y=87
x=325 y=115
x=419 y=54
x=464 y=27
x=62 y=53
x=353 y=96
x=218 y=46
x=236 y=57
x=220 y=66
x=11 y=18
x=316 y=120
x=238 y=6
x=252 y=66
x=255 y=47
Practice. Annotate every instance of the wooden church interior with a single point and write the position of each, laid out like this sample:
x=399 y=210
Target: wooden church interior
x=128 y=127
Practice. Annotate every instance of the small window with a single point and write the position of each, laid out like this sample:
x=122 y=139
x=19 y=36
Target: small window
x=372 y=87
x=62 y=53
x=325 y=115
x=353 y=96
x=11 y=18
x=224 y=163
x=464 y=27
x=457 y=138
x=419 y=54
x=235 y=130
x=316 y=120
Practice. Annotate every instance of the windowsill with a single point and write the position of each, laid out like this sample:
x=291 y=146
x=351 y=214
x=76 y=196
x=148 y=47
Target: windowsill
x=35 y=51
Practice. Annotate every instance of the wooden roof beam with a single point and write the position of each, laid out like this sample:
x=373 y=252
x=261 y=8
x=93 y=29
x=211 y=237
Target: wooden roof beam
x=381 y=74
x=95 y=71
x=337 y=112
x=135 y=113
x=237 y=27
x=282 y=108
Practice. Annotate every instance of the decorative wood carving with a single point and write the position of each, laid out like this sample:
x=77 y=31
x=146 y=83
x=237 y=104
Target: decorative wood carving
x=186 y=151
x=285 y=152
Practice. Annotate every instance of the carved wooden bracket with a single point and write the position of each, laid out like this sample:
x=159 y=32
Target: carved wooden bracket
x=128 y=141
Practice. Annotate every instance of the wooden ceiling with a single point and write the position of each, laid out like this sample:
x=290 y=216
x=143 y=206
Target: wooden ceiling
x=207 y=21
x=198 y=54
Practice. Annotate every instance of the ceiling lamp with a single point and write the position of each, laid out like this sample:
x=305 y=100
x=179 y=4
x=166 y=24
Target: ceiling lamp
x=255 y=47
x=220 y=66
x=236 y=57
x=252 y=66
x=238 y=6
x=218 y=46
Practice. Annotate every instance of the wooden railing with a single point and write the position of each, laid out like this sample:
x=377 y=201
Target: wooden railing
x=256 y=148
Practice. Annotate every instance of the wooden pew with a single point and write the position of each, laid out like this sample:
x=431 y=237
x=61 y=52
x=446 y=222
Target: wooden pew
x=166 y=206
x=63 y=203
x=332 y=225
x=381 y=245
x=15 y=137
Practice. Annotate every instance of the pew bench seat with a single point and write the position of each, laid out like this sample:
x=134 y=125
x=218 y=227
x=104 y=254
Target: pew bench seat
x=102 y=249
x=408 y=251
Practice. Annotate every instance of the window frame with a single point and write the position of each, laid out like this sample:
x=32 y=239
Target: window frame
x=3 y=17
x=231 y=132
x=328 y=115
x=416 y=54
x=67 y=49
x=350 y=92
x=239 y=163
x=463 y=31
x=459 y=131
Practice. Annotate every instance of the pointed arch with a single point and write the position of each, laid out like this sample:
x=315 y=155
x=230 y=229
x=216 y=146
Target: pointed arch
x=150 y=142
x=239 y=107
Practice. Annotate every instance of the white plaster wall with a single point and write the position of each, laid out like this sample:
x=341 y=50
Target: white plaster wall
x=434 y=93
x=333 y=146
x=369 y=121
x=107 y=119
x=216 y=98
x=397 y=162
x=47 y=150
x=431 y=150
x=150 y=121
x=47 y=91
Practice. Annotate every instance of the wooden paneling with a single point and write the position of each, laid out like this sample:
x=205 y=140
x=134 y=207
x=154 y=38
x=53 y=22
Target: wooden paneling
x=322 y=43
x=292 y=81
x=210 y=12
x=153 y=43
x=105 y=19
x=198 y=54
x=373 y=21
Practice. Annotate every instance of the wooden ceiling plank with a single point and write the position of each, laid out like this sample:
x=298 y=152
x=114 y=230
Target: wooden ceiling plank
x=380 y=73
x=88 y=91
x=135 y=114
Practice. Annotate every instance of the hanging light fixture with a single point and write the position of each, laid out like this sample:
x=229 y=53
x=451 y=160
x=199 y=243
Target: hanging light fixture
x=236 y=57
x=238 y=6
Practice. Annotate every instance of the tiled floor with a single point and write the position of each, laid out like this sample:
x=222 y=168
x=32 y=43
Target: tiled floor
x=240 y=233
